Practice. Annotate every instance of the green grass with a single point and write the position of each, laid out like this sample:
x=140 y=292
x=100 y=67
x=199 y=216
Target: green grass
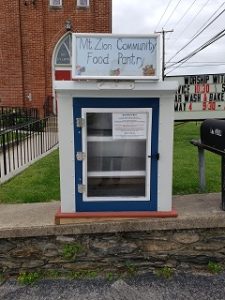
x=165 y=272
x=215 y=268
x=185 y=163
x=70 y=251
x=40 y=182
x=26 y=278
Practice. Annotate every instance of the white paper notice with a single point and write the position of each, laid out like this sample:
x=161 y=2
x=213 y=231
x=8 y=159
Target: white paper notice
x=129 y=125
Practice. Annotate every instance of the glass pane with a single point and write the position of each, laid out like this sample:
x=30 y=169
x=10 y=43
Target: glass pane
x=114 y=187
x=115 y=167
x=99 y=124
x=119 y=155
x=68 y=43
x=63 y=56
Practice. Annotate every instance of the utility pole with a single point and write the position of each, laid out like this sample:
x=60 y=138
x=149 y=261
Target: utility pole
x=163 y=32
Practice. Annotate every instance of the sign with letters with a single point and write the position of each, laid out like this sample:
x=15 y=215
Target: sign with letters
x=104 y=56
x=199 y=96
x=129 y=125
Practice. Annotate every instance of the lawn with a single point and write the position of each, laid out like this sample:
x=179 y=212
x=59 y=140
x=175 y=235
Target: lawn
x=185 y=162
x=40 y=182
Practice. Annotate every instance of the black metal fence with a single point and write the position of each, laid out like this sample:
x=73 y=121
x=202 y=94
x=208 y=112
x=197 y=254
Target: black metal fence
x=21 y=144
x=15 y=116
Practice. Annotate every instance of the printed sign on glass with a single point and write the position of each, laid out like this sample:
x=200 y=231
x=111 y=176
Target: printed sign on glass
x=112 y=56
x=129 y=125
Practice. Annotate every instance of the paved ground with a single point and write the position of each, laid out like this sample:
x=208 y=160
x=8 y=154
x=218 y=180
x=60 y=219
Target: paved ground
x=145 y=287
x=42 y=214
x=194 y=211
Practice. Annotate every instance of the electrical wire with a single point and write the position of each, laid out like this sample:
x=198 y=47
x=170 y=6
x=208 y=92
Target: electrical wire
x=201 y=65
x=163 y=14
x=203 y=62
x=199 y=32
x=187 y=10
x=172 y=13
x=206 y=24
x=192 y=20
x=206 y=44
x=185 y=13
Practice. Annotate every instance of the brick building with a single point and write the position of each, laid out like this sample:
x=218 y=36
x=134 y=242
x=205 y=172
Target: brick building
x=35 y=45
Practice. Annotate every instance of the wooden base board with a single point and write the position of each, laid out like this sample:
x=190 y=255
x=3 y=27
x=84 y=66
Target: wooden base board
x=91 y=217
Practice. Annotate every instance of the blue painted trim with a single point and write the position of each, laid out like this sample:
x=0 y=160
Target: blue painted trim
x=100 y=206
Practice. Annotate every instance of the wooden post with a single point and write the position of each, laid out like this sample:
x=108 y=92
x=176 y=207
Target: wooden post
x=201 y=167
x=223 y=181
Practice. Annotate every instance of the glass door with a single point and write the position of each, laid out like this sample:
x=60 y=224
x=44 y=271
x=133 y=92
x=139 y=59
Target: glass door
x=115 y=149
x=116 y=143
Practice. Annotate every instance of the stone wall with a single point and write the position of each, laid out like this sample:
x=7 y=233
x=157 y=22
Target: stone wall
x=113 y=252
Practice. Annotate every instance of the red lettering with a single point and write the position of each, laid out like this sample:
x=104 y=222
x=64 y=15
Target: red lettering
x=204 y=97
x=212 y=105
x=204 y=105
x=201 y=88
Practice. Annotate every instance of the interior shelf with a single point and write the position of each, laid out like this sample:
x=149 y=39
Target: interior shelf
x=105 y=187
x=127 y=164
x=117 y=174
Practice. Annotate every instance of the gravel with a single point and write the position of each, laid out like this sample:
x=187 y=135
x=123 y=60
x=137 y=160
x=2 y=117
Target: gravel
x=140 y=287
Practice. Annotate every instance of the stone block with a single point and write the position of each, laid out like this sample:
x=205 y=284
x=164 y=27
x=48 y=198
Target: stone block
x=112 y=247
x=6 y=246
x=186 y=237
x=159 y=246
x=32 y=264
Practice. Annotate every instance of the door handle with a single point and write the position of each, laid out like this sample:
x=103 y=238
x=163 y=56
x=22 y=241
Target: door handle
x=155 y=156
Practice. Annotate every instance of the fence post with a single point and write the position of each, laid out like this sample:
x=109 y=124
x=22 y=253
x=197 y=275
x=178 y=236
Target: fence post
x=223 y=181
x=201 y=166
x=4 y=153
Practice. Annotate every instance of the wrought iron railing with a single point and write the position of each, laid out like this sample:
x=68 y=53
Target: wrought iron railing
x=15 y=116
x=22 y=144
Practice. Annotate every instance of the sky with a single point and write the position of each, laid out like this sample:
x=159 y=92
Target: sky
x=186 y=18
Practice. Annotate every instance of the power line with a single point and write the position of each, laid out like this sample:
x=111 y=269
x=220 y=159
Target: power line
x=171 y=13
x=192 y=20
x=198 y=33
x=187 y=10
x=201 y=65
x=163 y=14
x=208 y=43
x=204 y=62
x=207 y=25
x=185 y=13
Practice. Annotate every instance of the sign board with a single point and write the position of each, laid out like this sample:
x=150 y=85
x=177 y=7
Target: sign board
x=104 y=56
x=129 y=125
x=199 y=96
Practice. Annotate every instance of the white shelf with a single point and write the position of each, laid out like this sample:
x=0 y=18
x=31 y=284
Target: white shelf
x=110 y=139
x=117 y=174
x=100 y=139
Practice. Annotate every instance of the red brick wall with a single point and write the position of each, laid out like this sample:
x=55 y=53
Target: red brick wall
x=28 y=37
x=11 y=81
